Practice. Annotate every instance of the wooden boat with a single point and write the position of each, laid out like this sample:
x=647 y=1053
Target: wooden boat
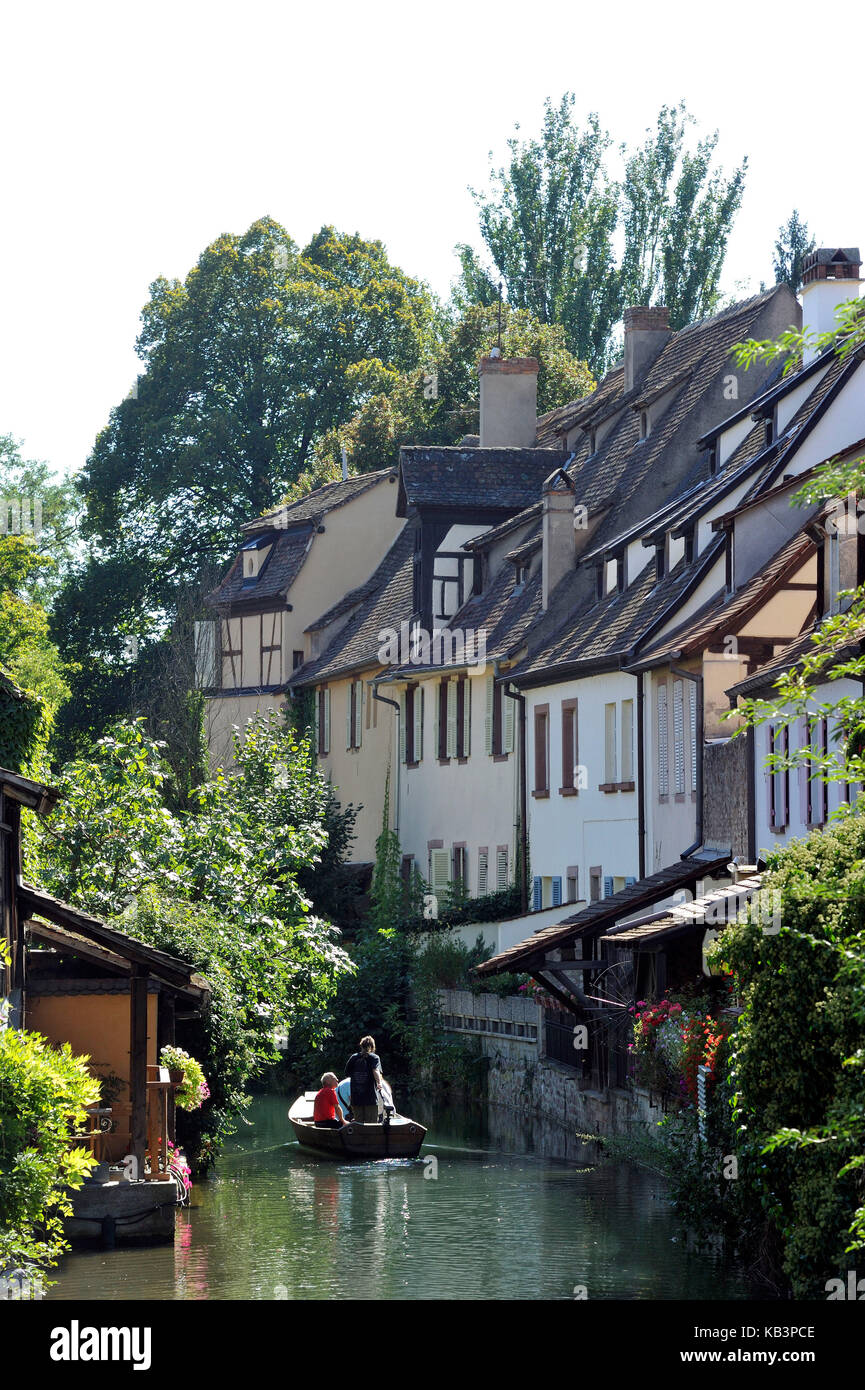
x=397 y=1137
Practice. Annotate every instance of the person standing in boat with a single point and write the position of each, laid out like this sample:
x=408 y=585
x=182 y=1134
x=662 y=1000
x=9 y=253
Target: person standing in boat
x=326 y=1112
x=364 y=1071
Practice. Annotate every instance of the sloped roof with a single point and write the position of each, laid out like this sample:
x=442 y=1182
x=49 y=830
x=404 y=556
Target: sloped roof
x=687 y=918
x=730 y=610
x=485 y=479
x=277 y=574
x=319 y=502
x=589 y=923
x=385 y=602
x=603 y=631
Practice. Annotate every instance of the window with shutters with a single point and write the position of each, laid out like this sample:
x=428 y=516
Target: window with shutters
x=572 y=876
x=463 y=698
x=816 y=787
x=610 y=760
x=570 y=748
x=441 y=739
x=499 y=720
x=609 y=888
x=413 y=724
x=542 y=750
x=324 y=720
x=663 y=745
x=595 y=881
x=459 y=873
x=627 y=774
x=354 y=715
x=501 y=868
x=557 y=891
x=678 y=738
x=779 y=781
x=451 y=720
x=692 y=724
x=537 y=894
x=439 y=872
x=483 y=872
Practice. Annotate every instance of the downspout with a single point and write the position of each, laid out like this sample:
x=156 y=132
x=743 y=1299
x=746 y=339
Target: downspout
x=641 y=787
x=698 y=681
x=385 y=700
x=524 y=832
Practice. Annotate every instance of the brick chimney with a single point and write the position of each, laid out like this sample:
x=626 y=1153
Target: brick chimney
x=830 y=276
x=646 y=332
x=509 y=401
x=559 y=548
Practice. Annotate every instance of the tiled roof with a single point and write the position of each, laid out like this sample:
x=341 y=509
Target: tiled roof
x=552 y=426
x=488 y=479
x=601 y=632
x=806 y=644
x=385 y=602
x=276 y=576
x=731 y=610
x=720 y=906
x=318 y=502
x=588 y=924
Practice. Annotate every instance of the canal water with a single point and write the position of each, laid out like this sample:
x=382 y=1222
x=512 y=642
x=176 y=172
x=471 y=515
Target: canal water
x=482 y=1214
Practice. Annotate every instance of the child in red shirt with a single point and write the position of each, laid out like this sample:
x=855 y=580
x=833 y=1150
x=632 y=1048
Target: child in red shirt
x=326 y=1112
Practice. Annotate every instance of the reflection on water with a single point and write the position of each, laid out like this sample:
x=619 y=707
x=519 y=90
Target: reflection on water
x=498 y=1220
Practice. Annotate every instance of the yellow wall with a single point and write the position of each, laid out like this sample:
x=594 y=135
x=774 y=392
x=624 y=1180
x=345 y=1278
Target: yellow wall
x=95 y=1026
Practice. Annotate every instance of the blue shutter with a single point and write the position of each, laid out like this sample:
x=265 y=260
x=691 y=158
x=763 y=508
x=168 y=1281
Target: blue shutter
x=537 y=895
x=557 y=892
x=630 y=881
x=608 y=886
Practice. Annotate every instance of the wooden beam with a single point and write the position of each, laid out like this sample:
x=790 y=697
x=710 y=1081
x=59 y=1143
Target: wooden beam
x=565 y=966
x=138 y=1065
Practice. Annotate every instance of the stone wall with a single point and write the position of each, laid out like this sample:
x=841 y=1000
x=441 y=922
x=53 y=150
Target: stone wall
x=523 y=1081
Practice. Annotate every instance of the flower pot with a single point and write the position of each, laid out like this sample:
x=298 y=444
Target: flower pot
x=175 y=1076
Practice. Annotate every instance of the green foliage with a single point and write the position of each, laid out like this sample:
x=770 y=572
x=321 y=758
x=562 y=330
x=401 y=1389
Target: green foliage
x=43 y=1094
x=796 y=1063
x=387 y=892
x=36 y=685
x=215 y=884
x=192 y=1090
x=793 y=245
x=58 y=501
x=438 y=403
x=550 y=219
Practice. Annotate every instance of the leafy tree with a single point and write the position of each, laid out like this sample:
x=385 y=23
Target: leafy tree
x=261 y=349
x=550 y=219
x=216 y=882
x=31 y=483
x=27 y=656
x=793 y=245
x=548 y=224
x=677 y=215
x=438 y=404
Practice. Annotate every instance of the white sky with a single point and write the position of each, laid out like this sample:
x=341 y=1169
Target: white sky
x=136 y=134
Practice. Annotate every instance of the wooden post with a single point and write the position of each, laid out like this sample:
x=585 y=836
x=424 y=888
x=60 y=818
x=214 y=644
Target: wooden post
x=165 y=1038
x=138 y=1064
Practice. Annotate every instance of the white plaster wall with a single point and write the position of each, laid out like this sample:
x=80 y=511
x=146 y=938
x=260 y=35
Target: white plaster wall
x=594 y=828
x=472 y=802
x=767 y=839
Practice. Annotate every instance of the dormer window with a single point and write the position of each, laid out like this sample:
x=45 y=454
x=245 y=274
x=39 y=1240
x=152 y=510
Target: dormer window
x=253 y=557
x=621 y=573
x=660 y=560
x=712 y=458
x=689 y=546
x=600 y=579
x=593 y=442
x=769 y=430
x=523 y=570
x=645 y=428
